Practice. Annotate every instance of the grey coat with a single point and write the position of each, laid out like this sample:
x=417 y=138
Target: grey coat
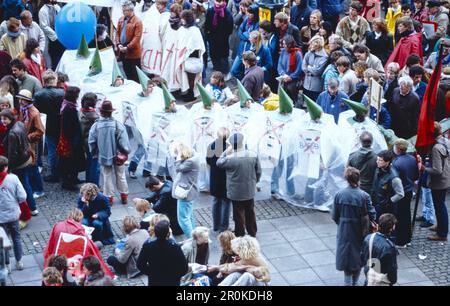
x=347 y=212
x=189 y=248
x=375 y=63
x=440 y=159
x=314 y=64
x=11 y=194
x=106 y=137
x=187 y=176
x=130 y=253
x=243 y=172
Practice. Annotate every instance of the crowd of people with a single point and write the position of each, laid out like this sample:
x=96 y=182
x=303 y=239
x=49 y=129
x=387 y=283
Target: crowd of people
x=328 y=51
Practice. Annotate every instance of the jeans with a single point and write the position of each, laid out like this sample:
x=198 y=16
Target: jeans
x=220 y=64
x=24 y=177
x=185 y=215
x=278 y=172
x=92 y=169
x=36 y=179
x=98 y=225
x=221 y=213
x=136 y=159
x=241 y=279
x=351 y=277
x=12 y=228
x=441 y=212
x=119 y=267
x=52 y=157
x=427 y=205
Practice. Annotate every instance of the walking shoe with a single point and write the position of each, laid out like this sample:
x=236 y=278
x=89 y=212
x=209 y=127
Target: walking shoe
x=111 y=200
x=433 y=228
x=133 y=175
x=38 y=195
x=19 y=265
x=51 y=179
x=228 y=77
x=276 y=196
x=34 y=212
x=124 y=198
x=437 y=238
x=22 y=224
x=426 y=224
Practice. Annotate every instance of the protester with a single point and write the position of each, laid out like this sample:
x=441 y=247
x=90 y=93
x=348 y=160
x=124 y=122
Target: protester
x=362 y=53
x=354 y=27
x=47 y=20
x=23 y=79
x=219 y=90
x=196 y=249
x=331 y=71
x=51 y=277
x=380 y=41
x=145 y=210
x=161 y=259
x=331 y=100
x=392 y=73
x=313 y=65
x=13 y=41
x=243 y=172
x=88 y=117
x=101 y=40
x=94 y=275
x=300 y=13
x=285 y=27
x=347 y=76
x=309 y=31
x=124 y=260
x=290 y=67
x=34 y=59
x=32 y=30
x=254 y=75
x=59 y=262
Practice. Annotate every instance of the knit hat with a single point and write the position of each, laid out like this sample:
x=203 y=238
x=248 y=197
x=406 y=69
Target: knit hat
x=314 y=109
x=168 y=97
x=143 y=78
x=286 y=103
x=244 y=96
x=83 y=49
x=116 y=72
x=96 y=64
x=359 y=108
x=207 y=99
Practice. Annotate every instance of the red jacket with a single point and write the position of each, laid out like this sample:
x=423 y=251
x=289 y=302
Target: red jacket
x=34 y=69
x=73 y=228
x=406 y=46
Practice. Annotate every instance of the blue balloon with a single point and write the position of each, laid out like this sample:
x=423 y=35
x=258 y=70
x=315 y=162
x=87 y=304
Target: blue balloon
x=72 y=21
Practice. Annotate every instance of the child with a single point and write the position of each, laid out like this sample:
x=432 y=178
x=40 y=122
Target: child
x=51 y=277
x=218 y=89
x=60 y=263
x=145 y=210
x=269 y=100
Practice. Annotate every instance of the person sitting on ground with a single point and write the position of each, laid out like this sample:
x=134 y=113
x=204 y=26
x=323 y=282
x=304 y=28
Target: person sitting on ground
x=124 y=261
x=94 y=275
x=60 y=263
x=145 y=210
x=228 y=256
x=196 y=249
x=219 y=90
x=96 y=211
x=51 y=277
x=153 y=221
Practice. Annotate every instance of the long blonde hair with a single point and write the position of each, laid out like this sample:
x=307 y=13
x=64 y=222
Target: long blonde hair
x=258 y=37
x=246 y=247
x=184 y=151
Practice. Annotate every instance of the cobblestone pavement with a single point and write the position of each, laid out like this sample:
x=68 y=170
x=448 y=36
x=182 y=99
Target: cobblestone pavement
x=299 y=244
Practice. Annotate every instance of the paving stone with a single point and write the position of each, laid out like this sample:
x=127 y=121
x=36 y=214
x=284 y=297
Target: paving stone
x=325 y=230
x=277 y=280
x=309 y=246
x=319 y=258
x=298 y=234
x=330 y=242
x=26 y=275
x=288 y=223
x=302 y=276
x=265 y=226
x=317 y=218
x=277 y=250
x=411 y=275
x=270 y=238
x=328 y=272
x=289 y=263
x=425 y=283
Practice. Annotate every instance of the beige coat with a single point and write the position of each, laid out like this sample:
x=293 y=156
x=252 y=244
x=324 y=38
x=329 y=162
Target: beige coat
x=13 y=47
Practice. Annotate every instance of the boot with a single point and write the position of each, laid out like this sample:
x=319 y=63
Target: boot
x=124 y=198
x=111 y=200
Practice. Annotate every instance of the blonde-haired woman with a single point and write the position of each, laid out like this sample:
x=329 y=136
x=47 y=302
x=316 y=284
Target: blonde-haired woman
x=153 y=221
x=314 y=64
x=125 y=258
x=262 y=52
x=250 y=270
x=185 y=188
x=96 y=210
x=196 y=249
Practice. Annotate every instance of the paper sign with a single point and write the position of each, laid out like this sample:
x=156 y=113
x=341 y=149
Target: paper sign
x=309 y=150
x=376 y=92
x=264 y=14
x=429 y=28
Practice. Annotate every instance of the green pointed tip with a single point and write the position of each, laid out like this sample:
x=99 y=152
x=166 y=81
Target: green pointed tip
x=143 y=78
x=96 y=64
x=359 y=108
x=83 y=49
x=116 y=72
x=244 y=96
x=207 y=99
x=168 y=97
x=314 y=109
x=286 y=103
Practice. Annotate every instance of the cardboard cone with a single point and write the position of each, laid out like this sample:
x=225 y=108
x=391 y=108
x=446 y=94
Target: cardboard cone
x=143 y=78
x=314 y=109
x=168 y=97
x=96 y=64
x=359 y=108
x=207 y=99
x=116 y=72
x=286 y=103
x=244 y=96
x=83 y=49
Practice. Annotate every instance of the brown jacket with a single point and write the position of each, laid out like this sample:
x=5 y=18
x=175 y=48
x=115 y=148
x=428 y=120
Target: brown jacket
x=133 y=36
x=34 y=128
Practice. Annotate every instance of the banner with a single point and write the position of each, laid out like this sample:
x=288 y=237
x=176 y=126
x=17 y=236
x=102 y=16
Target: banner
x=309 y=145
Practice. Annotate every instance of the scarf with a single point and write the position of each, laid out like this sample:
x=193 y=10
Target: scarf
x=175 y=22
x=406 y=34
x=219 y=11
x=249 y=21
x=13 y=35
x=3 y=176
x=293 y=58
x=68 y=104
x=88 y=110
x=36 y=58
x=24 y=111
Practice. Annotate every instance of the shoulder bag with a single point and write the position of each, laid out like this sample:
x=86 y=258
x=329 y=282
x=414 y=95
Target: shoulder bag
x=375 y=278
x=120 y=157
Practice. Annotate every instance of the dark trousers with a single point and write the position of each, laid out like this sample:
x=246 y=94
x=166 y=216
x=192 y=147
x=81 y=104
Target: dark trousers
x=119 y=268
x=244 y=218
x=403 y=215
x=56 y=51
x=129 y=67
x=220 y=64
x=441 y=211
x=292 y=90
x=311 y=94
x=380 y=210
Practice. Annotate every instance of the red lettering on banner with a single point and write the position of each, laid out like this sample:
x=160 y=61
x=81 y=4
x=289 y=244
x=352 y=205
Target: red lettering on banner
x=167 y=58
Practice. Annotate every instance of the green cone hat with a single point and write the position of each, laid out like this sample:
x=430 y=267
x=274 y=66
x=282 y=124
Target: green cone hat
x=359 y=108
x=244 y=96
x=314 y=109
x=83 y=49
x=286 y=103
x=116 y=72
x=168 y=97
x=143 y=78
x=206 y=97
x=96 y=64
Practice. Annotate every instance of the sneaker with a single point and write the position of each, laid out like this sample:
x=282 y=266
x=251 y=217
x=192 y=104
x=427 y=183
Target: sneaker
x=426 y=224
x=228 y=77
x=19 y=265
x=22 y=224
x=437 y=238
x=133 y=175
x=276 y=196
x=34 y=212
x=38 y=195
x=401 y=246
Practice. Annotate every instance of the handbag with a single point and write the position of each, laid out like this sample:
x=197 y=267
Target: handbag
x=182 y=191
x=63 y=147
x=375 y=278
x=120 y=158
x=193 y=65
